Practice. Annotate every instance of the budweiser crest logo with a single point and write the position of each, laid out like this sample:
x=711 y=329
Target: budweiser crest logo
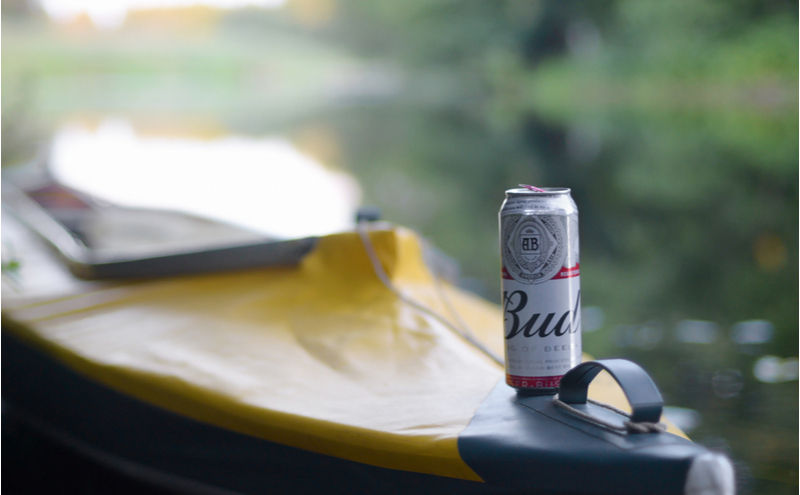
x=533 y=247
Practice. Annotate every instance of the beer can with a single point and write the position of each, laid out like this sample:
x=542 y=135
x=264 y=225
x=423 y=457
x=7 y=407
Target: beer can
x=541 y=287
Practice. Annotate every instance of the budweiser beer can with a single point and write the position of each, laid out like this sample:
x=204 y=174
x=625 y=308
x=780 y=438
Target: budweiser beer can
x=541 y=287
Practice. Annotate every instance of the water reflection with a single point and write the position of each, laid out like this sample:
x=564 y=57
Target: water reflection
x=727 y=384
x=111 y=15
x=266 y=185
x=697 y=332
x=684 y=418
x=772 y=369
x=645 y=337
x=749 y=333
x=592 y=319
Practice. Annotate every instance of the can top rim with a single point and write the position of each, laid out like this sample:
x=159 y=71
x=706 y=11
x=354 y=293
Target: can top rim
x=546 y=191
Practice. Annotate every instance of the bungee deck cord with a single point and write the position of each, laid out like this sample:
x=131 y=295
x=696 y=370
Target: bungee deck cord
x=463 y=331
x=628 y=426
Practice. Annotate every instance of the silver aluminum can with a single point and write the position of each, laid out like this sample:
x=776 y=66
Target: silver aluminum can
x=541 y=287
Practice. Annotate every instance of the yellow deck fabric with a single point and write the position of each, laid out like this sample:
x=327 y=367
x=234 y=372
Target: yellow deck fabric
x=321 y=356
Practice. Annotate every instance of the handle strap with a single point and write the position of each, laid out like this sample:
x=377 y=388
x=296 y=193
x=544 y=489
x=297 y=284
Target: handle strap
x=643 y=396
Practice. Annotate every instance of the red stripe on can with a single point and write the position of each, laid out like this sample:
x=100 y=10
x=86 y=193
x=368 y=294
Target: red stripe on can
x=533 y=381
x=574 y=271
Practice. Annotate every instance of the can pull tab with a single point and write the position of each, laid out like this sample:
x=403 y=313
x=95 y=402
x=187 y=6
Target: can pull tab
x=643 y=396
x=532 y=188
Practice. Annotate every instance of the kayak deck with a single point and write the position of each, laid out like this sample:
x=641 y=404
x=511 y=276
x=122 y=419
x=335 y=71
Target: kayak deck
x=320 y=359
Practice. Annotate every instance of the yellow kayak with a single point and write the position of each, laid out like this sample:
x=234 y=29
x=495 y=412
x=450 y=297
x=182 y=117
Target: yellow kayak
x=225 y=382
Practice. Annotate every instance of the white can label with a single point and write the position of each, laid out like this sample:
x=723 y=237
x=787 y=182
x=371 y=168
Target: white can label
x=541 y=299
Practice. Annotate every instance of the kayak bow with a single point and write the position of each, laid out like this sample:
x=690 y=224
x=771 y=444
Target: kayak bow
x=247 y=381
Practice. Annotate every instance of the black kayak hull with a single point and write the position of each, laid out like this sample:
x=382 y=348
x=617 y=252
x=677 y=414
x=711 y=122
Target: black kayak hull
x=180 y=454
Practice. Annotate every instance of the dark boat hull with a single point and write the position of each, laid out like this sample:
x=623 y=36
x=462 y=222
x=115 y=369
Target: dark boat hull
x=178 y=453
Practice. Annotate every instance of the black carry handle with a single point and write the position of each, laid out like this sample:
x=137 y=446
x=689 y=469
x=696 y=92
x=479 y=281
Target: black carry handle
x=643 y=396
